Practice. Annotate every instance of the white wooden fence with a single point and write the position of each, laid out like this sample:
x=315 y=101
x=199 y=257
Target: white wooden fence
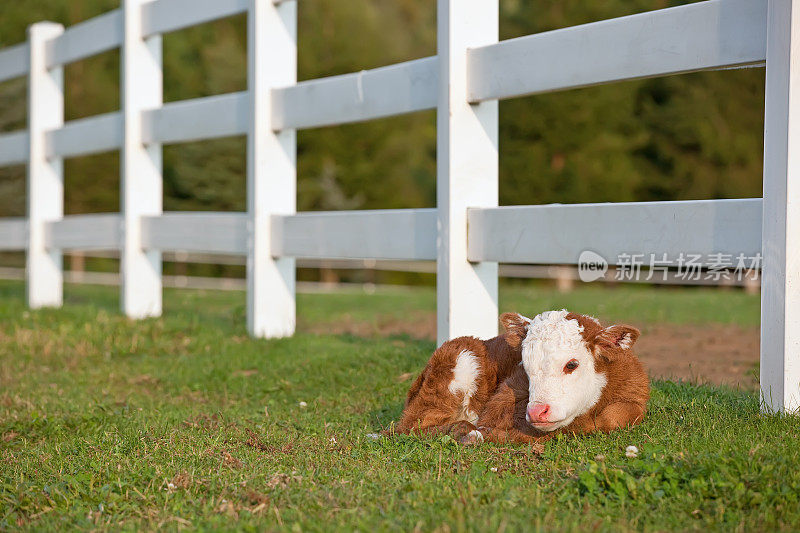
x=468 y=234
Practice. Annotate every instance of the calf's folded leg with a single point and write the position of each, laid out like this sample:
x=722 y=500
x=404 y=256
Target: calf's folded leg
x=614 y=416
x=498 y=413
x=504 y=415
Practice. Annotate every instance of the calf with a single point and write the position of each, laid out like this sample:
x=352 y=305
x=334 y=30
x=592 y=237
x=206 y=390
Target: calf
x=575 y=377
x=460 y=377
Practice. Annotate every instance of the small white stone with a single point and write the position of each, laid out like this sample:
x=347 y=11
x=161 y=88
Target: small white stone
x=476 y=434
x=303 y=405
x=373 y=436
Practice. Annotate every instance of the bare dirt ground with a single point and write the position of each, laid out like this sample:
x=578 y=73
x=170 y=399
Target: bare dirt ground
x=718 y=354
x=714 y=353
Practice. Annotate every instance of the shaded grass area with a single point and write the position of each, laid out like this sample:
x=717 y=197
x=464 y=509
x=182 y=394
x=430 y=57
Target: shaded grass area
x=184 y=421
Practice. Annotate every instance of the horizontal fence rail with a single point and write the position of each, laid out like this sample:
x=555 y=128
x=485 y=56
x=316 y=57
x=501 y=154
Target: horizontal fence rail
x=559 y=233
x=14 y=61
x=100 y=231
x=85 y=136
x=370 y=94
x=164 y=16
x=13 y=234
x=89 y=38
x=13 y=148
x=544 y=234
x=466 y=234
x=213 y=233
x=749 y=278
x=211 y=117
x=408 y=234
x=702 y=36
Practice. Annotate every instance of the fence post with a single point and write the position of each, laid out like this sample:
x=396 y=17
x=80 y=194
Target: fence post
x=45 y=193
x=467 y=171
x=271 y=167
x=141 y=181
x=780 y=282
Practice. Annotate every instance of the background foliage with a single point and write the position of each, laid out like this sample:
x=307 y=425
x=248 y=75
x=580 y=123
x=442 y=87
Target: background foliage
x=683 y=137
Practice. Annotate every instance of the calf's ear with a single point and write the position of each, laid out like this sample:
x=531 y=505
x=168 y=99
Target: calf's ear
x=615 y=338
x=515 y=326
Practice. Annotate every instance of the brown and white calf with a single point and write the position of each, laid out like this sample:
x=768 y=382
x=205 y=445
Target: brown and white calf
x=458 y=381
x=576 y=376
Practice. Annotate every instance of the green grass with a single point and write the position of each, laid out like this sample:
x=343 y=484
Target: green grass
x=183 y=421
x=640 y=305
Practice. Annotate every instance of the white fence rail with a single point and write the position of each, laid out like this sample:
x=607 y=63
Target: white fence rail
x=14 y=61
x=200 y=118
x=408 y=234
x=467 y=234
x=559 y=233
x=222 y=233
x=85 y=136
x=365 y=95
x=84 y=232
x=13 y=148
x=86 y=39
x=13 y=234
x=704 y=36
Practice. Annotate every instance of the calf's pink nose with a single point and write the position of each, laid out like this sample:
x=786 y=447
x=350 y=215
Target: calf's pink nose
x=538 y=412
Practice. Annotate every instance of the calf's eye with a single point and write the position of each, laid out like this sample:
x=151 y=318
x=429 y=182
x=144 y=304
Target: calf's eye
x=570 y=366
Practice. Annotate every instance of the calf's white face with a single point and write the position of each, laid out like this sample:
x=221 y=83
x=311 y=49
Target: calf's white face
x=563 y=383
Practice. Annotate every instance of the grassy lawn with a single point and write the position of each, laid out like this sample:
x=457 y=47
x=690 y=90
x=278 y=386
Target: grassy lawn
x=184 y=421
